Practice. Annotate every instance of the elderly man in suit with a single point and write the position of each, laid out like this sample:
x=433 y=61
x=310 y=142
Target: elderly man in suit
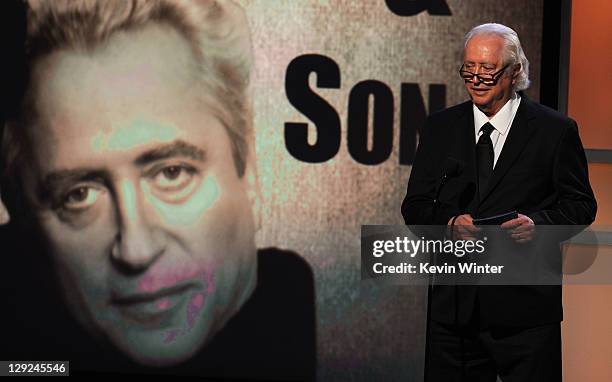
x=516 y=155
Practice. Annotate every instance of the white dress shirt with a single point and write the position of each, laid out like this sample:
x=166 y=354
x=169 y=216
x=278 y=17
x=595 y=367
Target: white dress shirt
x=501 y=121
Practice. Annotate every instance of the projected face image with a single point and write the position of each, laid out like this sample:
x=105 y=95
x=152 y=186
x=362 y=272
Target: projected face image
x=135 y=188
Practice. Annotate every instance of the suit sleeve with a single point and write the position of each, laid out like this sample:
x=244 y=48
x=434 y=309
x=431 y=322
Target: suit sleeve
x=418 y=205
x=575 y=203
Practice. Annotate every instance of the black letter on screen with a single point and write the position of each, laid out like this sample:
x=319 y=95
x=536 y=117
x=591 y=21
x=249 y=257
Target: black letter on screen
x=315 y=108
x=382 y=122
x=413 y=114
x=414 y=7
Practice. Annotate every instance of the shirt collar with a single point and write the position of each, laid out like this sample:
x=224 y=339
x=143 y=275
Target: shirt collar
x=502 y=119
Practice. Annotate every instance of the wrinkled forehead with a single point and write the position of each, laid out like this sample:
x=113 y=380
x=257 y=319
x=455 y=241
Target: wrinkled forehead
x=130 y=64
x=139 y=86
x=484 y=46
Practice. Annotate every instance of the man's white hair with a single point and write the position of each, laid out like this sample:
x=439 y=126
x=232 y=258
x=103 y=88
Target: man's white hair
x=513 y=51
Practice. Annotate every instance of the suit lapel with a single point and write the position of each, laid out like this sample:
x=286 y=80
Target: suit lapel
x=519 y=135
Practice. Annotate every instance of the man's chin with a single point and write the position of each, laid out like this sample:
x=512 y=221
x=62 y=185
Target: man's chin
x=481 y=100
x=162 y=348
x=173 y=340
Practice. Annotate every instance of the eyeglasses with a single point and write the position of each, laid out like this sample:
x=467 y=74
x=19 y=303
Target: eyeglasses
x=486 y=78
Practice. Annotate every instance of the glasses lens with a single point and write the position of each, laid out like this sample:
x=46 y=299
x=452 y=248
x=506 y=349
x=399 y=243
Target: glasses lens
x=486 y=79
x=466 y=75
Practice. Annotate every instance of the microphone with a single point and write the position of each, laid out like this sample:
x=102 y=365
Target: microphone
x=452 y=168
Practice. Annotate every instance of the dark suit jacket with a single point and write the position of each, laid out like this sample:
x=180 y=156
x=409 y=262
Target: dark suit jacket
x=542 y=173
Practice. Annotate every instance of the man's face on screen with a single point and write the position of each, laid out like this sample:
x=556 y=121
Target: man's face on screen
x=134 y=185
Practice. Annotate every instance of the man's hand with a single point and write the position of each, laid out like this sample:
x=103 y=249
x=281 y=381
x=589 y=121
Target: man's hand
x=521 y=229
x=464 y=228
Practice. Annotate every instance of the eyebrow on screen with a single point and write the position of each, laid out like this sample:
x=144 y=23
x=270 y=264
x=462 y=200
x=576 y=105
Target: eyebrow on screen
x=171 y=150
x=56 y=179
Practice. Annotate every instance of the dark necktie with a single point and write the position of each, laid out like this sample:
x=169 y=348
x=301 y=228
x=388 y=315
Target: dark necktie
x=484 y=158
